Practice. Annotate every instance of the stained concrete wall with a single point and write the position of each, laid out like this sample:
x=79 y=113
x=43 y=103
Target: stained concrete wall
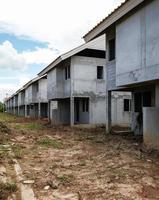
x=86 y=84
x=151 y=127
x=60 y=113
x=137 y=46
x=42 y=94
x=28 y=95
x=110 y=65
x=21 y=98
x=58 y=87
x=119 y=116
x=22 y=110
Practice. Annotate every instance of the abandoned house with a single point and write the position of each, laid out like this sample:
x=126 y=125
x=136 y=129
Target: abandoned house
x=36 y=104
x=9 y=105
x=30 y=100
x=77 y=87
x=21 y=102
x=132 y=44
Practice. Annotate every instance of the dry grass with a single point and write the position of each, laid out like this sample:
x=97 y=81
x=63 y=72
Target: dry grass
x=6 y=189
x=84 y=162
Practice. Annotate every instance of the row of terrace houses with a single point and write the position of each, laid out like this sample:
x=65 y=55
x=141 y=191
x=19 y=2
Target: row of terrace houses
x=132 y=45
x=84 y=84
x=72 y=90
x=30 y=100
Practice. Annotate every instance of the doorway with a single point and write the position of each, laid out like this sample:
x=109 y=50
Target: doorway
x=141 y=99
x=81 y=115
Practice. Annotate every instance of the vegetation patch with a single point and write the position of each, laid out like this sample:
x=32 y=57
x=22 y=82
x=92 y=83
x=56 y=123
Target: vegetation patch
x=18 y=151
x=29 y=126
x=4 y=128
x=6 y=189
x=5 y=117
x=64 y=179
x=48 y=142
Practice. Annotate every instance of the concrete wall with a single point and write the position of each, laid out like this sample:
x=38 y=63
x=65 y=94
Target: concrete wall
x=98 y=111
x=60 y=114
x=28 y=95
x=22 y=110
x=58 y=87
x=21 y=98
x=42 y=94
x=137 y=46
x=86 y=84
x=151 y=127
x=119 y=116
x=110 y=65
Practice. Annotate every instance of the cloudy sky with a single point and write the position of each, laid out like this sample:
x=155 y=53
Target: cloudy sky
x=34 y=32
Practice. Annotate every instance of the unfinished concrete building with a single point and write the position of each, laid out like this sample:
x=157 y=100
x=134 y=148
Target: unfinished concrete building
x=21 y=102
x=77 y=87
x=30 y=100
x=36 y=103
x=9 y=105
x=132 y=43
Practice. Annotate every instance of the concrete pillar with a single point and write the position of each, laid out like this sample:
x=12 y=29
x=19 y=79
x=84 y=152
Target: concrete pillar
x=49 y=110
x=25 y=111
x=108 y=112
x=72 y=113
x=39 y=110
x=157 y=95
x=18 y=110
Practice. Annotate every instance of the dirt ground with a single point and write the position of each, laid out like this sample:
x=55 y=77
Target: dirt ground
x=66 y=163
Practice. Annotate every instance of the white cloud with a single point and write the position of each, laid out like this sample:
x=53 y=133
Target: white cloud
x=40 y=55
x=10 y=88
x=6 y=90
x=61 y=23
x=10 y=58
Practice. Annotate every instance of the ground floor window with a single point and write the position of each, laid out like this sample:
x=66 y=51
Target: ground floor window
x=127 y=105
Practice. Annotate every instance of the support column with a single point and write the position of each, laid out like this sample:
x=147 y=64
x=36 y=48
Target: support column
x=25 y=111
x=18 y=110
x=157 y=95
x=39 y=110
x=72 y=112
x=108 y=112
x=49 y=111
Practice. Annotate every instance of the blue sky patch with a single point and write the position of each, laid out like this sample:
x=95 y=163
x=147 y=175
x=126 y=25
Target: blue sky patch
x=22 y=44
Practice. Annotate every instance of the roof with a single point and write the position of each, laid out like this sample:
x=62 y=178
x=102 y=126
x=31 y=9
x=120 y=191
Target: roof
x=97 y=44
x=114 y=16
x=32 y=81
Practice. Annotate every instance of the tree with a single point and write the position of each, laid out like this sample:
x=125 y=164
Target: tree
x=2 y=106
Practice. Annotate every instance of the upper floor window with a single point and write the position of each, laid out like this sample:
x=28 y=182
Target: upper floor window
x=111 y=49
x=67 y=72
x=127 y=105
x=99 y=72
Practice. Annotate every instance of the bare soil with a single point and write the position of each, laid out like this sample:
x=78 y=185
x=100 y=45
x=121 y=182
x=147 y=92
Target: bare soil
x=83 y=164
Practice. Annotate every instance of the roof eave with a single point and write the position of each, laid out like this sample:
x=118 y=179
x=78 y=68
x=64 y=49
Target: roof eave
x=111 y=19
